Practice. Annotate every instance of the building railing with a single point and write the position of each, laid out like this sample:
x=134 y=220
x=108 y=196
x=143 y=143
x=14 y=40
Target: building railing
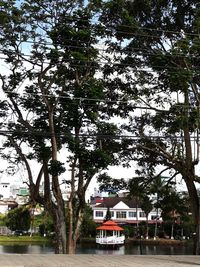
x=110 y=240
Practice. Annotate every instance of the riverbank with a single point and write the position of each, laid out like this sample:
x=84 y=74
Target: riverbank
x=134 y=241
x=32 y=239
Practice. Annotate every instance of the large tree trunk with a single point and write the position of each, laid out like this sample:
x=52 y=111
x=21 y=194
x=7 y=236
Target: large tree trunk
x=194 y=201
x=57 y=212
x=60 y=231
x=188 y=172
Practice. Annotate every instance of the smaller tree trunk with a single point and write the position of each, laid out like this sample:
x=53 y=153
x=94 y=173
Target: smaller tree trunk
x=74 y=230
x=70 y=243
x=147 y=228
x=60 y=231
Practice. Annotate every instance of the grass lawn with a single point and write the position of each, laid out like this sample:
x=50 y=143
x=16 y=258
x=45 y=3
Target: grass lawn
x=24 y=239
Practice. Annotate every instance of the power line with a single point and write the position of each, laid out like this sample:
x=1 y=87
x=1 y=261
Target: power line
x=138 y=34
x=106 y=101
x=96 y=136
x=89 y=42
x=118 y=51
x=150 y=69
x=84 y=99
x=70 y=18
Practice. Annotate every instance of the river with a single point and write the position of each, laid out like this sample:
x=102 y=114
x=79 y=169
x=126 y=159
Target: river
x=88 y=248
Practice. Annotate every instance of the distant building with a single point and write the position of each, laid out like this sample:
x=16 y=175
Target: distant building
x=20 y=193
x=5 y=190
x=98 y=193
x=22 y=197
x=6 y=205
x=64 y=189
x=123 y=210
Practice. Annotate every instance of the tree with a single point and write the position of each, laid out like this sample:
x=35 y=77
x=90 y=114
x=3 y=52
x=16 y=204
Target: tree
x=175 y=208
x=110 y=184
x=88 y=226
x=160 y=187
x=146 y=207
x=52 y=91
x=159 y=58
x=137 y=190
x=18 y=219
x=108 y=215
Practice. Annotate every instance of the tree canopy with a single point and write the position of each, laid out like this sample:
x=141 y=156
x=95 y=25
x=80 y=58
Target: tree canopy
x=18 y=219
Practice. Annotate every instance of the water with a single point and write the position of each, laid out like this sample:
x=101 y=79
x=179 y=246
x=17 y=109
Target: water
x=131 y=249
x=89 y=248
x=24 y=248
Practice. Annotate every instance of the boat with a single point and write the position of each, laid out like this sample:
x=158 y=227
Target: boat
x=109 y=233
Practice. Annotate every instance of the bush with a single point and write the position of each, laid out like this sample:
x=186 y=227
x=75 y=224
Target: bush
x=18 y=219
x=2 y=220
x=129 y=230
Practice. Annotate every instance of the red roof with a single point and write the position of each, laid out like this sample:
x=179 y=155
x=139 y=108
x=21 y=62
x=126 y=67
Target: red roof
x=99 y=200
x=110 y=226
x=110 y=223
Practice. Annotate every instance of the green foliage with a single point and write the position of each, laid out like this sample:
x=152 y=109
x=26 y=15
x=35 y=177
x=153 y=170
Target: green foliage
x=46 y=228
x=2 y=220
x=146 y=205
x=44 y=222
x=109 y=184
x=88 y=227
x=18 y=219
x=136 y=187
x=130 y=231
x=142 y=228
x=56 y=168
x=108 y=215
x=174 y=204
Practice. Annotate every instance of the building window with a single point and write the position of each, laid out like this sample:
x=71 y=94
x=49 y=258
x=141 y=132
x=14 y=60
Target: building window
x=121 y=214
x=142 y=214
x=99 y=213
x=132 y=214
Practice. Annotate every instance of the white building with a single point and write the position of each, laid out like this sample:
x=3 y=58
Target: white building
x=5 y=190
x=5 y=206
x=98 y=193
x=123 y=210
